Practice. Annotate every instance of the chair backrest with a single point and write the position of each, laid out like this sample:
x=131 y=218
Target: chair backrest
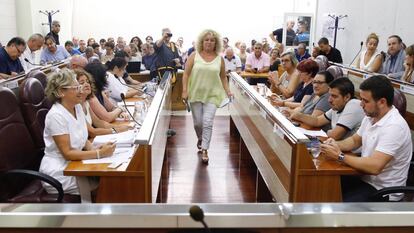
x=400 y=102
x=39 y=75
x=323 y=62
x=34 y=106
x=336 y=71
x=17 y=149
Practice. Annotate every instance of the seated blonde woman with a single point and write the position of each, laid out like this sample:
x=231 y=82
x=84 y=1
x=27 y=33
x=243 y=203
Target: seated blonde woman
x=370 y=59
x=286 y=84
x=66 y=134
x=96 y=126
x=100 y=102
x=408 y=75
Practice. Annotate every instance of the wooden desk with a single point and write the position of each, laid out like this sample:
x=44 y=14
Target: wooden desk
x=279 y=150
x=139 y=179
x=245 y=74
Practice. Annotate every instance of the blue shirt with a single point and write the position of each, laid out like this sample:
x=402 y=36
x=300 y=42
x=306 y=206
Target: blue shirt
x=8 y=65
x=75 y=52
x=303 y=57
x=60 y=54
x=165 y=55
x=149 y=62
x=302 y=91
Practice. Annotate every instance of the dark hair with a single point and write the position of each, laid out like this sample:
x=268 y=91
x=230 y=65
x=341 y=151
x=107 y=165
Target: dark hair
x=139 y=42
x=95 y=45
x=102 y=41
x=68 y=43
x=344 y=85
x=16 y=41
x=323 y=40
x=98 y=72
x=116 y=62
x=328 y=76
x=226 y=38
x=110 y=44
x=50 y=37
x=380 y=87
x=121 y=54
x=308 y=66
x=397 y=37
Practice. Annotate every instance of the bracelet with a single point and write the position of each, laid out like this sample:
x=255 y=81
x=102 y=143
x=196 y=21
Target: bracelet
x=113 y=130
x=97 y=154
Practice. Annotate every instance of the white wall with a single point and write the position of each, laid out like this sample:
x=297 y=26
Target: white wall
x=383 y=17
x=8 y=28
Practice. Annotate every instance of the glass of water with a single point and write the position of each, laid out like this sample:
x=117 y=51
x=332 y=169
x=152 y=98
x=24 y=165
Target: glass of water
x=314 y=146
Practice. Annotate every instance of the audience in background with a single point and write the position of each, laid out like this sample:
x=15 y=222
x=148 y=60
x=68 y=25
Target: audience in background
x=120 y=44
x=333 y=54
x=393 y=65
x=287 y=83
x=257 y=62
x=77 y=61
x=274 y=60
x=370 y=59
x=27 y=59
x=316 y=51
x=97 y=50
x=149 y=59
x=70 y=49
x=82 y=46
x=90 y=42
x=168 y=58
x=75 y=41
x=251 y=48
x=277 y=35
x=55 y=31
x=135 y=54
x=109 y=52
x=149 y=39
x=10 y=65
x=303 y=35
x=102 y=46
x=243 y=54
x=409 y=64
x=138 y=42
x=53 y=52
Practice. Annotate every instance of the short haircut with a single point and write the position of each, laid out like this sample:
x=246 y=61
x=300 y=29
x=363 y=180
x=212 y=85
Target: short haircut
x=55 y=22
x=323 y=40
x=380 y=87
x=68 y=43
x=328 y=76
x=292 y=57
x=102 y=40
x=36 y=36
x=110 y=44
x=81 y=72
x=344 y=85
x=397 y=37
x=259 y=44
x=308 y=66
x=16 y=41
x=410 y=50
x=56 y=81
x=121 y=54
x=203 y=34
x=95 y=45
x=50 y=37
x=116 y=62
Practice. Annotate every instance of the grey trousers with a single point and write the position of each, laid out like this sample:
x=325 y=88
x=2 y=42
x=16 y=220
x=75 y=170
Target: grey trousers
x=203 y=118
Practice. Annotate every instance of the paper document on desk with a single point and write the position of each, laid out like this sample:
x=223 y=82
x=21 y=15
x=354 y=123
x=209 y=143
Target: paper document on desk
x=124 y=139
x=128 y=103
x=313 y=133
x=120 y=155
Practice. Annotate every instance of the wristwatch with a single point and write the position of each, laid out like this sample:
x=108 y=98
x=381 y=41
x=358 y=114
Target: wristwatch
x=113 y=131
x=341 y=157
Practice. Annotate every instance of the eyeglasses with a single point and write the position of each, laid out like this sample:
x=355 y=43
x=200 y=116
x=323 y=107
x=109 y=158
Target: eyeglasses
x=78 y=88
x=318 y=82
x=18 y=50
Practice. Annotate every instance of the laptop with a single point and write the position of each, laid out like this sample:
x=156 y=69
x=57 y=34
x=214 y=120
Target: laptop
x=133 y=67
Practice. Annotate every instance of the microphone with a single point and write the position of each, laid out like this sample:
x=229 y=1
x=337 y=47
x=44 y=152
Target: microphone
x=360 y=48
x=197 y=215
x=132 y=117
x=27 y=60
x=127 y=84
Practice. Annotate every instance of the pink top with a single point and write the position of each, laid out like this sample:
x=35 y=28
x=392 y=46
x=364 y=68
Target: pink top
x=102 y=111
x=259 y=63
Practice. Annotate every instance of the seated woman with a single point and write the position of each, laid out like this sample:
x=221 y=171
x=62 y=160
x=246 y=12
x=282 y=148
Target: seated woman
x=66 y=134
x=318 y=102
x=96 y=126
x=116 y=84
x=274 y=60
x=289 y=81
x=307 y=71
x=100 y=103
x=370 y=59
x=409 y=64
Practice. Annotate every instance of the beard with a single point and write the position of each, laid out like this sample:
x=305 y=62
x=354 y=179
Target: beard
x=372 y=114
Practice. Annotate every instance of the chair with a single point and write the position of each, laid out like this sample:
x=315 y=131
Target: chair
x=336 y=71
x=34 y=107
x=20 y=159
x=400 y=102
x=39 y=75
x=323 y=62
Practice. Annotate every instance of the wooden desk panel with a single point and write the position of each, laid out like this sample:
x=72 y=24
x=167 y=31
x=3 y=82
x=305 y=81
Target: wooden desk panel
x=245 y=74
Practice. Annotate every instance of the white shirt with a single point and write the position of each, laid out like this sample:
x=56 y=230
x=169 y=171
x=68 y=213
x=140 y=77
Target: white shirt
x=390 y=135
x=31 y=57
x=367 y=67
x=59 y=121
x=116 y=86
x=233 y=64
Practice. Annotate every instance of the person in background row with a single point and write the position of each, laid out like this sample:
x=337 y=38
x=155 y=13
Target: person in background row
x=225 y=43
x=385 y=139
x=77 y=62
x=289 y=80
x=10 y=65
x=70 y=49
x=66 y=134
x=34 y=43
x=251 y=48
x=333 y=54
x=90 y=42
x=109 y=54
x=274 y=60
x=257 y=62
x=232 y=62
x=301 y=53
x=316 y=51
x=149 y=59
x=409 y=65
x=102 y=45
x=120 y=44
x=75 y=41
x=205 y=86
x=149 y=39
x=55 y=31
x=303 y=35
x=393 y=64
x=135 y=53
x=97 y=50
x=277 y=35
x=243 y=55
x=89 y=53
x=82 y=46
x=116 y=84
x=179 y=44
x=138 y=42
x=370 y=59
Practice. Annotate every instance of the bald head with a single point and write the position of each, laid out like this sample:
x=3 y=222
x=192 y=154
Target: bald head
x=35 y=42
x=78 y=61
x=229 y=52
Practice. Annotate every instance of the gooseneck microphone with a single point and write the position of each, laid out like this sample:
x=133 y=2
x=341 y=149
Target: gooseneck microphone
x=119 y=80
x=360 y=48
x=197 y=215
x=132 y=117
x=31 y=63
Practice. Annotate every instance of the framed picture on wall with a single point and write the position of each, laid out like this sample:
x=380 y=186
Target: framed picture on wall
x=298 y=28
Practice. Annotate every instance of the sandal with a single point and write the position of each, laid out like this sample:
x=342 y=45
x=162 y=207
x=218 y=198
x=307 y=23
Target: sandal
x=204 y=157
x=199 y=144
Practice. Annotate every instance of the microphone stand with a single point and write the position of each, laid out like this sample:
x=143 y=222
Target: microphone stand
x=132 y=117
x=360 y=49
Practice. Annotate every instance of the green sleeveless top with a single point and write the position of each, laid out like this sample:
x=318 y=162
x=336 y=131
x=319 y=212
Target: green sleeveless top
x=204 y=83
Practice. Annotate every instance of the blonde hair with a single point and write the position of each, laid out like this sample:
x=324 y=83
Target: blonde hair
x=203 y=34
x=81 y=72
x=56 y=81
x=372 y=36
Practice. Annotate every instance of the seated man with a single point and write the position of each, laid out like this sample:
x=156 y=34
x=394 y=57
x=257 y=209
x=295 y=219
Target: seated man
x=393 y=65
x=77 y=62
x=53 y=52
x=257 y=62
x=149 y=59
x=333 y=54
x=10 y=65
x=70 y=49
x=386 y=145
x=303 y=34
x=232 y=62
x=345 y=114
x=27 y=59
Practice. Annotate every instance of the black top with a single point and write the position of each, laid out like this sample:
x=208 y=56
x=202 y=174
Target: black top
x=8 y=65
x=55 y=36
x=301 y=91
x=289 y=39
x=334 y=55
x=275 y=65
x=165 y=55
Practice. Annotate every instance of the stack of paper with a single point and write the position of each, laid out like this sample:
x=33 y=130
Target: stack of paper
x=313 y=133
x=120 y=155
x=124 y=139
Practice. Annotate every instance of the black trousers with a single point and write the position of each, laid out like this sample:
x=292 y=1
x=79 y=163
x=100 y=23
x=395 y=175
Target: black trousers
x=356 y=190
